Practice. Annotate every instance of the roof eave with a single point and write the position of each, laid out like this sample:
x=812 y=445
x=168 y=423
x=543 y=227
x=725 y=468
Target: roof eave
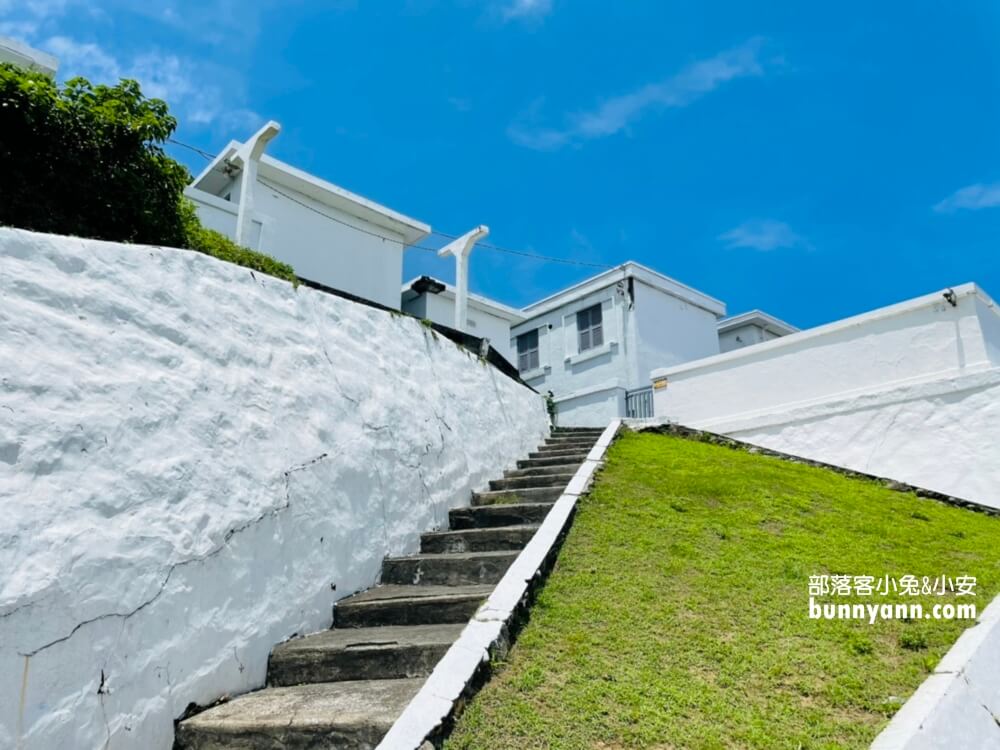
x=630 y=268
x=409 y=230
x=758 y=318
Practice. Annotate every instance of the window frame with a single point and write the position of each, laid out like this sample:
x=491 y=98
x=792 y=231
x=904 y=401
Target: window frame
x=528 y=351
x=592 y=333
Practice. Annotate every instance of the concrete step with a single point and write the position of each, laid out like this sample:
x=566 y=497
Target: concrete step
x=493 y=516
x=386 y=653
x=565 y=445
x=391 y=604
x=533 y=481
x=594 y=432
x=344 y=715
x=572 y=437
x=543 y=471
x=538 y=460
x=447 y=569
x=523 y=495
x=478 y=540
x=572 y=454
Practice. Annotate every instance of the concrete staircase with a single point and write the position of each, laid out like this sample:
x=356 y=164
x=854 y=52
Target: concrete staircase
x=345 y=687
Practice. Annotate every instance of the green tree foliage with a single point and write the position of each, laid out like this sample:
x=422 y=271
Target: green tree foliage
x=219 y=246
x=88 y=160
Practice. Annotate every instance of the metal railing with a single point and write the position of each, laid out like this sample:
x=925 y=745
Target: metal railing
x=639 y=403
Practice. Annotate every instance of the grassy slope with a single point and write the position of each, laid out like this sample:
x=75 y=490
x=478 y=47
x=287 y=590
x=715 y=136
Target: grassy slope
x=676 y=616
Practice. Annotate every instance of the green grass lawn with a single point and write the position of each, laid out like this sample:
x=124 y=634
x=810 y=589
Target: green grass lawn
x=677 y=613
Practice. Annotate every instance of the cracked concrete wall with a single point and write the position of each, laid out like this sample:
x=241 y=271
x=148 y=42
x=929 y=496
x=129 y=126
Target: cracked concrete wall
x=196 y=462
x=910 y=392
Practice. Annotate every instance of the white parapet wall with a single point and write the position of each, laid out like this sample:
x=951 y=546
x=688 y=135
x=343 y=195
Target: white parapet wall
x=910 y=392
x=592 y=406
x=196 y=462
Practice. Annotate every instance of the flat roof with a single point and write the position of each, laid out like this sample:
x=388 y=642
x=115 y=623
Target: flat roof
x=758 y=318
x=629 y=268
x=489 y=305
x=19 y=53
x=213 y=179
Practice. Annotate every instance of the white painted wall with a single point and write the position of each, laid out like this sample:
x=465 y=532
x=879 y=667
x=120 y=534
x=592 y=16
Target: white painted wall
x=670 y=331
x=191 y=458
x=745 y=335
x=590 y=387
x=340 y=253
x=214 y=212
x=441 y=309
x=588 y=407
x=910 y=392
x=575 y=376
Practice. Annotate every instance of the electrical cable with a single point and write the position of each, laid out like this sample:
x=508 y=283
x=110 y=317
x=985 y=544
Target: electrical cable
x=484 y=245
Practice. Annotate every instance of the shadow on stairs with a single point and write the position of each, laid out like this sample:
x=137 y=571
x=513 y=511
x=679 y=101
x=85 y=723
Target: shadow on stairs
x=345 y=687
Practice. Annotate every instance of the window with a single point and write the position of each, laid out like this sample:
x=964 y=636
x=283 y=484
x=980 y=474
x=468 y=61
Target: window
x=527 y=351
x=589 y=330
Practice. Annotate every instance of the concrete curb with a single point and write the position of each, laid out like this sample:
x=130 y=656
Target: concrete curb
x=465 y=666
x=966 y=681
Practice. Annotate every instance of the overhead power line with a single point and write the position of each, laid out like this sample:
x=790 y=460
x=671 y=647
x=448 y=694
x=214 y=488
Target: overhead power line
x=484 y=245
x=197 y=150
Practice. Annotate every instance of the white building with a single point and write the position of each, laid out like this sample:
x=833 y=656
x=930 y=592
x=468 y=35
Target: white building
x=19 y=53
x=328 y=234
x=594 y=344
x=429 y=298
x=910 y=391
x=750 y=328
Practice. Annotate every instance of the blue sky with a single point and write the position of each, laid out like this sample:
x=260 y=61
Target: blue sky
x=813 y=160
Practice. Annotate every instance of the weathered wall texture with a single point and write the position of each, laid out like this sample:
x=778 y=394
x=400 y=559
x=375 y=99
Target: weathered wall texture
x=944 y=437
x=195 y=463
x=910 y=392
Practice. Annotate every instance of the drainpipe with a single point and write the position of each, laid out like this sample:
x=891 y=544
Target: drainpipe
x=249 y=156
x=461 y=248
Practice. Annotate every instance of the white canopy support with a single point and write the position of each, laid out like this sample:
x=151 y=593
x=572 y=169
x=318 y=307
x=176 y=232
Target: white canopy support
x=461 y=248
x=249 y=157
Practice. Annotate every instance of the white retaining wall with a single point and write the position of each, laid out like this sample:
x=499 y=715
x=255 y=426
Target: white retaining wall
x=910 y=392
x=196 y=462
x=958 y=706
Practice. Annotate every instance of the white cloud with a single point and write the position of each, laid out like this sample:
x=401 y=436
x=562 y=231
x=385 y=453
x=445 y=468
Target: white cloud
x=525 y=10
x=618 y=113
x=199 y=93
x=971 y=198
x=231 y=22
x=21 y=30
x=763 y=234
x=22 y=20
x=84 y=59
